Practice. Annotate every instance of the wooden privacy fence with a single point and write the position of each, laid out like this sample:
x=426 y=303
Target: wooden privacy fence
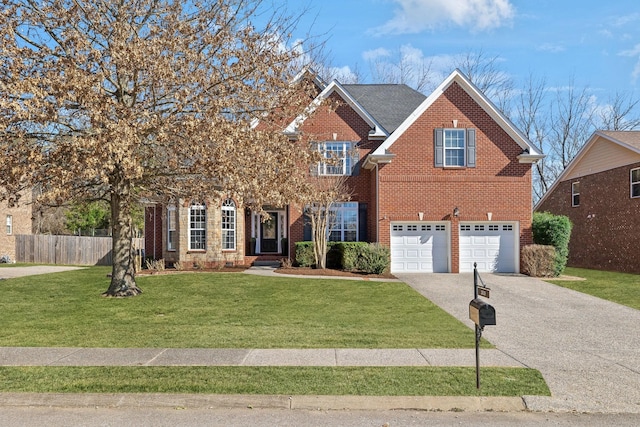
x=72 y=250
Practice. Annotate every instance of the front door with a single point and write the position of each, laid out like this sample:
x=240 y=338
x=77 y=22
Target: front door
x=269 y=234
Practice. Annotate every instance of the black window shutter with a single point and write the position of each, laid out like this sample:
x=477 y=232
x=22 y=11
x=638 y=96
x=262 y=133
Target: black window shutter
x=362 y=222
x=471 y=148
x=355 y=160
x=306 y=228
x=438 y=145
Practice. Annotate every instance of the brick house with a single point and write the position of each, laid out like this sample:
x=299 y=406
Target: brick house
x=600 y=192
x=443 y=180
x=15 y=220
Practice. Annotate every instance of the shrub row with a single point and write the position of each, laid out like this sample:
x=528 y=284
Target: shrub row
x=538 y=260
x=369 y=258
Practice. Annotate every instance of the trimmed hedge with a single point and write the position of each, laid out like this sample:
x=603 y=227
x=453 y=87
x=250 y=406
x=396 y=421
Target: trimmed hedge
x=554 y=230
x=350 y=256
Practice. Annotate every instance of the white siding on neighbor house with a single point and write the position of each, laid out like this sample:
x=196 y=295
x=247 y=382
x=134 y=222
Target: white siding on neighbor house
x=603 y=155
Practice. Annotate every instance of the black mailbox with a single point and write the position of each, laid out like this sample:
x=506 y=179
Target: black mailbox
x=482 y=313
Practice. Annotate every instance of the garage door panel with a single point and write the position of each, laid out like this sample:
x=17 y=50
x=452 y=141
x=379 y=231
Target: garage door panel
x=419 y=247
x=491 y=247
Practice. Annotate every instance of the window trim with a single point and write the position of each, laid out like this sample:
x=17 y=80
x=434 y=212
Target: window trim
x=228 y=208
x=468 y=149
x=634 y=184
x=575 y=195
x=9 y=225
x=171 y=228
x=462 y=149
x=348 y=159
x=344 y=207
x=203 y=207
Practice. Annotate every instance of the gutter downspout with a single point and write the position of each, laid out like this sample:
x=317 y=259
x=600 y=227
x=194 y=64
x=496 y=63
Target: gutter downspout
x=377 y=205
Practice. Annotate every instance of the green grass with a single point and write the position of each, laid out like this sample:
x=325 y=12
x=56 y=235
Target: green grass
x=621 y=288
x=222 y=310
x=378 y=381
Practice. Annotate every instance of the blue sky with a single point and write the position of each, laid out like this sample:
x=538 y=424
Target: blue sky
x=593 y=43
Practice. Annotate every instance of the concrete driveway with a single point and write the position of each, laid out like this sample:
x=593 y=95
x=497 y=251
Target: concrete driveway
x=587 y=349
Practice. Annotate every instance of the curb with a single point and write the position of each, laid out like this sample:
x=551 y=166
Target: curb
x=216 y=401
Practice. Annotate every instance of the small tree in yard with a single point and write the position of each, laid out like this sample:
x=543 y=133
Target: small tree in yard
x=327 y=190
x=121 y=100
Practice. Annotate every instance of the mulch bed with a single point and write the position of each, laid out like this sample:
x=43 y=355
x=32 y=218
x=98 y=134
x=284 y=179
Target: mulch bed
x=308 y=271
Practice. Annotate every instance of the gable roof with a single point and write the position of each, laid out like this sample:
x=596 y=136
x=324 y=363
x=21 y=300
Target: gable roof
x=390 y=104
x=603 y=151
x=530 y=153
x=377 y=130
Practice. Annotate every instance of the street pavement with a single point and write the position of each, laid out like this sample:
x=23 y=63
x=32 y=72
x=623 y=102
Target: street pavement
x=587 y=349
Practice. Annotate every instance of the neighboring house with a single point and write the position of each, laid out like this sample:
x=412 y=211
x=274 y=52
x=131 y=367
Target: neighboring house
x=600 y=192
x=15 y=220
x=443 y=180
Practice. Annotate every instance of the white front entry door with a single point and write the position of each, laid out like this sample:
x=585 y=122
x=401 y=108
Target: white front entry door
x=419 y=248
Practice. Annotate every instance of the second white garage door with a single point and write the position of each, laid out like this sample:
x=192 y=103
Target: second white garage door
x=419 y=248
x=494 y=247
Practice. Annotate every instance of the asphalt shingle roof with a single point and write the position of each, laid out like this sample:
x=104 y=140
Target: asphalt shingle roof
x=628 y=137
x=389 y=104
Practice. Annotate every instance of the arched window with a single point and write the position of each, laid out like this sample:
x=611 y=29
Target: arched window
x=197 y=227
x=228 y=225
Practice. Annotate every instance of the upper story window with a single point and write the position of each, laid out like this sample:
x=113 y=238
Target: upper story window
x=197 y=227
x=343 y=222
x=171 y=228
x=635 y=182
x=575 y=194
x=341 y=157
x=9 y=224
x=228 y=225
x=455 y=147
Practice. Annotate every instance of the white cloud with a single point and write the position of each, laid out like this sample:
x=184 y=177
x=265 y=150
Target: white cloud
x=550 y=47
x=372 y=55
x=633 y=53
x=414 y=16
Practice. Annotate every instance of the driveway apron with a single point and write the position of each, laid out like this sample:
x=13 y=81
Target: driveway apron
x=587 y=349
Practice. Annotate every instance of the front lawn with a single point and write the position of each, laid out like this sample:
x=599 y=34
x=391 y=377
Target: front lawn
x=622 y=288
x=222 y=310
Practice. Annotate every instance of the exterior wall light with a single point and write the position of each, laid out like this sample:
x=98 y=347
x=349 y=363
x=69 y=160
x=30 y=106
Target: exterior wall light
x=456 y=212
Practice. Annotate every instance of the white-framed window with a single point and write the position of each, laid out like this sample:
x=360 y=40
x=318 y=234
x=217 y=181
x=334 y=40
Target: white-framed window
x=341 y=157
x=343 y=222
x=454 y=147
x=9 y=224
x=228 y=225
x=635 y=182
x=197 y=226
x=171 y=227
x=575 y=194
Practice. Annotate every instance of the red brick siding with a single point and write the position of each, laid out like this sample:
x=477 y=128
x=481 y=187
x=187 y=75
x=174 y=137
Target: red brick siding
x=606 y=224
x=498 y=184
x=153 y=231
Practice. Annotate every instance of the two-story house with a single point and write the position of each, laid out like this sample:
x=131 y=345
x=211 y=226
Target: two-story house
x=443 y=180
x=600 y=193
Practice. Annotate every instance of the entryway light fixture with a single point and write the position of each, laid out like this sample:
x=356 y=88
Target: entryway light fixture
x=456 y=211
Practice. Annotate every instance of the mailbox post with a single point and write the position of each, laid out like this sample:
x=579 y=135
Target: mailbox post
x=482 y=315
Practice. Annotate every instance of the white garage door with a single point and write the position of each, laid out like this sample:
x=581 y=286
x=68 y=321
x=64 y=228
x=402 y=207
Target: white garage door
x=494 y=247
x=419 y=248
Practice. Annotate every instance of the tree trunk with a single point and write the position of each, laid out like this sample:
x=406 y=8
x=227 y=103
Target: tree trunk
x=123 y=282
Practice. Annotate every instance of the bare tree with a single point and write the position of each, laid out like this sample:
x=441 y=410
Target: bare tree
x=484 y=71
x=403 y=68
x=619 y=113
x=121 y=100
x=328 y=190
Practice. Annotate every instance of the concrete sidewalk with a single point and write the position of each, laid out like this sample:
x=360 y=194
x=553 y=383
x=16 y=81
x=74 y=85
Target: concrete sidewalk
x=61 y=356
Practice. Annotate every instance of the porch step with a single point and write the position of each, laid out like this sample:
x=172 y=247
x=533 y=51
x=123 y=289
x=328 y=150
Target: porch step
x=266 y=263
